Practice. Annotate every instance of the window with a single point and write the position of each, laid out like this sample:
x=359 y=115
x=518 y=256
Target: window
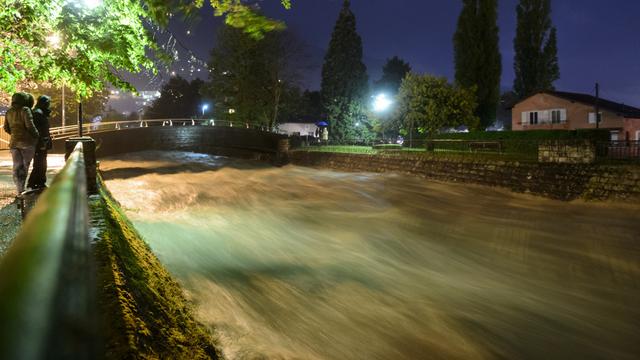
x=533 y=118
x=615 y=135
x=556 y=117
x=592 y=117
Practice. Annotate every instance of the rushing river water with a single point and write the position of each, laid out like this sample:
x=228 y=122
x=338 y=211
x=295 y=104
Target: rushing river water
x=298 y=263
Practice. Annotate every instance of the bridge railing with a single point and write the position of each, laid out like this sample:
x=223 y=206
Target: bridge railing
x=72 y=130
x=47 y=289
x=4 y=137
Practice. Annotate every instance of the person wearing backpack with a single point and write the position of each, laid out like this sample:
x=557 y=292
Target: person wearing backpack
x=41 y=113
x=24 y=136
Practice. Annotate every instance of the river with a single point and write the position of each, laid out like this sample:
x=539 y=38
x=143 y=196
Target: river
x=300 y=263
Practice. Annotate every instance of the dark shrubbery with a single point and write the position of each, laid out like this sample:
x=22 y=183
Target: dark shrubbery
x=583 y=134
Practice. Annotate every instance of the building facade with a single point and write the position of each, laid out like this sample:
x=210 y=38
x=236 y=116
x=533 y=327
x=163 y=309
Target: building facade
x=570 y=111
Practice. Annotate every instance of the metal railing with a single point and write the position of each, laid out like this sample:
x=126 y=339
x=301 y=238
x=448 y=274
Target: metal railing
x=92 y=128
x=4 y=137
x=47 y=301
x=619 y=150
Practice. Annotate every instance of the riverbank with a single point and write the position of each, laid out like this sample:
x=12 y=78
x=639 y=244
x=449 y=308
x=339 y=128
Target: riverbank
x=144 y=312
x=551 y=180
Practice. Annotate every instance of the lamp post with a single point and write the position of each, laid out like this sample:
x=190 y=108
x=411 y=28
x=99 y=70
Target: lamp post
x=89 y=5
x=205 y=107
x=381 y=103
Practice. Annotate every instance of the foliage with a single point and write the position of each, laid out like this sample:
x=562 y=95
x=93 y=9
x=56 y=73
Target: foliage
x=344 y=84
x=536 y=60
x=253 y=77
x=477 y=55
x=64 y=42
x=91 y=106
x=179 y=99
x=429 y=103
x=393 y=72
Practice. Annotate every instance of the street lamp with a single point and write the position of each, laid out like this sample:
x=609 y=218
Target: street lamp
x=381 y=103
x=205 y=107
x=89 y=5
x=55 y=40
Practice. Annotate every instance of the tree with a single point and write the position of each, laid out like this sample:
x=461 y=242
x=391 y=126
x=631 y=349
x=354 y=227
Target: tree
x=478 y=62
x=66 y=42
x=253 y=77
x=427 y=104
x=91 y=106
x=536 y=59
x=179 y=99
x=392 y=74
x=344 y=78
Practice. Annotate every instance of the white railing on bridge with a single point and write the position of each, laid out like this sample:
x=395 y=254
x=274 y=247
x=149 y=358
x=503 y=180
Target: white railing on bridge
x=89 y=128
x=4 y=137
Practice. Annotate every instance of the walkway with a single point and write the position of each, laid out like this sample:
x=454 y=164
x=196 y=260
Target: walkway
x=9 y=214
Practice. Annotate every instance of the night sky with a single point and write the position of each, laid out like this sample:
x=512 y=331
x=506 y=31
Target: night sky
x=598 y=40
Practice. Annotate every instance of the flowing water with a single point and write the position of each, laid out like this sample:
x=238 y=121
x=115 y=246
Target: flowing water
x=299 y=263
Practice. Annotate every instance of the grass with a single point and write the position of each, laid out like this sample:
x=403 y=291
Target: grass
x=443 y=153
x=146 y=313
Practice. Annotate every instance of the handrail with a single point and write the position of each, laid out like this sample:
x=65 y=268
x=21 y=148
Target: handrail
x=47 y=300
x=88 y=128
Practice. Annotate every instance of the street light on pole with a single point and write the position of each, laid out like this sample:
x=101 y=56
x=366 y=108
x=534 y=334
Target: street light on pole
x=55 y=40
x=89 y=5
x=205 y=107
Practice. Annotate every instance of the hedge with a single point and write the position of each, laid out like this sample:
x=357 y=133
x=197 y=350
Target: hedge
x=582 y=134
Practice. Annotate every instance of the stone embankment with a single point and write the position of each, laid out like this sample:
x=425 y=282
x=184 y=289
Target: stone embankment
x=560 y=181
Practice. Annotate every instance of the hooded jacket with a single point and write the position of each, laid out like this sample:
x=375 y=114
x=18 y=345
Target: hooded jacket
x=41 y=120
x=19 y=123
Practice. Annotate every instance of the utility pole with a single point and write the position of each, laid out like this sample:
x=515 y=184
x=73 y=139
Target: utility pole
x=597 y=106
x=80 y=119
x=63 y=122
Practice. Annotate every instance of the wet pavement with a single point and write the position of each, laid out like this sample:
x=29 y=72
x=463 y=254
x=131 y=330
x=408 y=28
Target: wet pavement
x=9 y=214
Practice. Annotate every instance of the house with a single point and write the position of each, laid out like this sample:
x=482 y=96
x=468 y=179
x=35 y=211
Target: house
x=556 y=110
x=299 y=129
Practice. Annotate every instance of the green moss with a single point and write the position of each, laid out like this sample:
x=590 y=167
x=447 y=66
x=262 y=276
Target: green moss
x=146 y=313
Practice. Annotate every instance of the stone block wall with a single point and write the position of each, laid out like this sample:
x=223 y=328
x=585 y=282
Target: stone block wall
x=578 y=152
x=554 y=180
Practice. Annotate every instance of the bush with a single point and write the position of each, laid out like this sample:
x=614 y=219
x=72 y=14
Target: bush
x=582 y=134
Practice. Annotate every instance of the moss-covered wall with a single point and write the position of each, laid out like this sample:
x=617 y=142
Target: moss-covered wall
x=557 y=181
x=145 y=313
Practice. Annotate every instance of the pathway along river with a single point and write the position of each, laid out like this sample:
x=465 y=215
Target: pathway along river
x=298 y=263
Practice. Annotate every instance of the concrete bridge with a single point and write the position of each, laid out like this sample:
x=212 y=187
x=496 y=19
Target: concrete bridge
x=205 y=136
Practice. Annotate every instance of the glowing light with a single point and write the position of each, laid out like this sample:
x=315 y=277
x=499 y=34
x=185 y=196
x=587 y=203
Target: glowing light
x=54 y=40
x=381 y=103
x=232 y=111
x=91 y=4
x=205 y=107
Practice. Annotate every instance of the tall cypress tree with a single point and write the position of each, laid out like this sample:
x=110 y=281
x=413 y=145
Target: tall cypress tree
x=344 y=78
x=477 y=56
x=536 y=60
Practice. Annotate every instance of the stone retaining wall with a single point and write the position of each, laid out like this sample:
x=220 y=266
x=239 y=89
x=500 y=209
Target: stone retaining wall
x=553 y=180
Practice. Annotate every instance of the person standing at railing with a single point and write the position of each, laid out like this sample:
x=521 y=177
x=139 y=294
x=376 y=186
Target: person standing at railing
x=24 y=136
x=41 y=114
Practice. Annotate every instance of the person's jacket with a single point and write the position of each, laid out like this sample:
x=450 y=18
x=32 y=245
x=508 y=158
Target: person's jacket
x=41 y=121
x=19 y=123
